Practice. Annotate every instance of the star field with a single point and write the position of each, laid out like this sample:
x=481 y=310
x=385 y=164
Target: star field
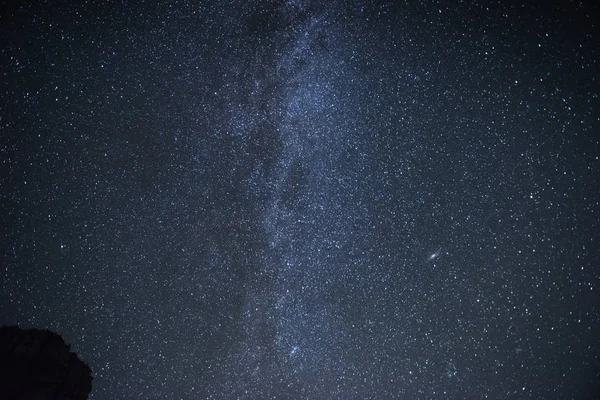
x=290 y=199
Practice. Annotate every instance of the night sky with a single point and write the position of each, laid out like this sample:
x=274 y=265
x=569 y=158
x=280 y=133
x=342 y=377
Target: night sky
x=306 y=199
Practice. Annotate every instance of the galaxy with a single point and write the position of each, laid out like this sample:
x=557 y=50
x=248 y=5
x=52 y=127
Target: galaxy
x=306 y=200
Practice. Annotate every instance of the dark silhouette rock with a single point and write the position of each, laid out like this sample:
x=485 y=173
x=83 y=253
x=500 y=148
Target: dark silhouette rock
x=38 y=364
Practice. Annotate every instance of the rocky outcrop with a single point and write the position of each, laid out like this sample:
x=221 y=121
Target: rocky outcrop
x=38 y=364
